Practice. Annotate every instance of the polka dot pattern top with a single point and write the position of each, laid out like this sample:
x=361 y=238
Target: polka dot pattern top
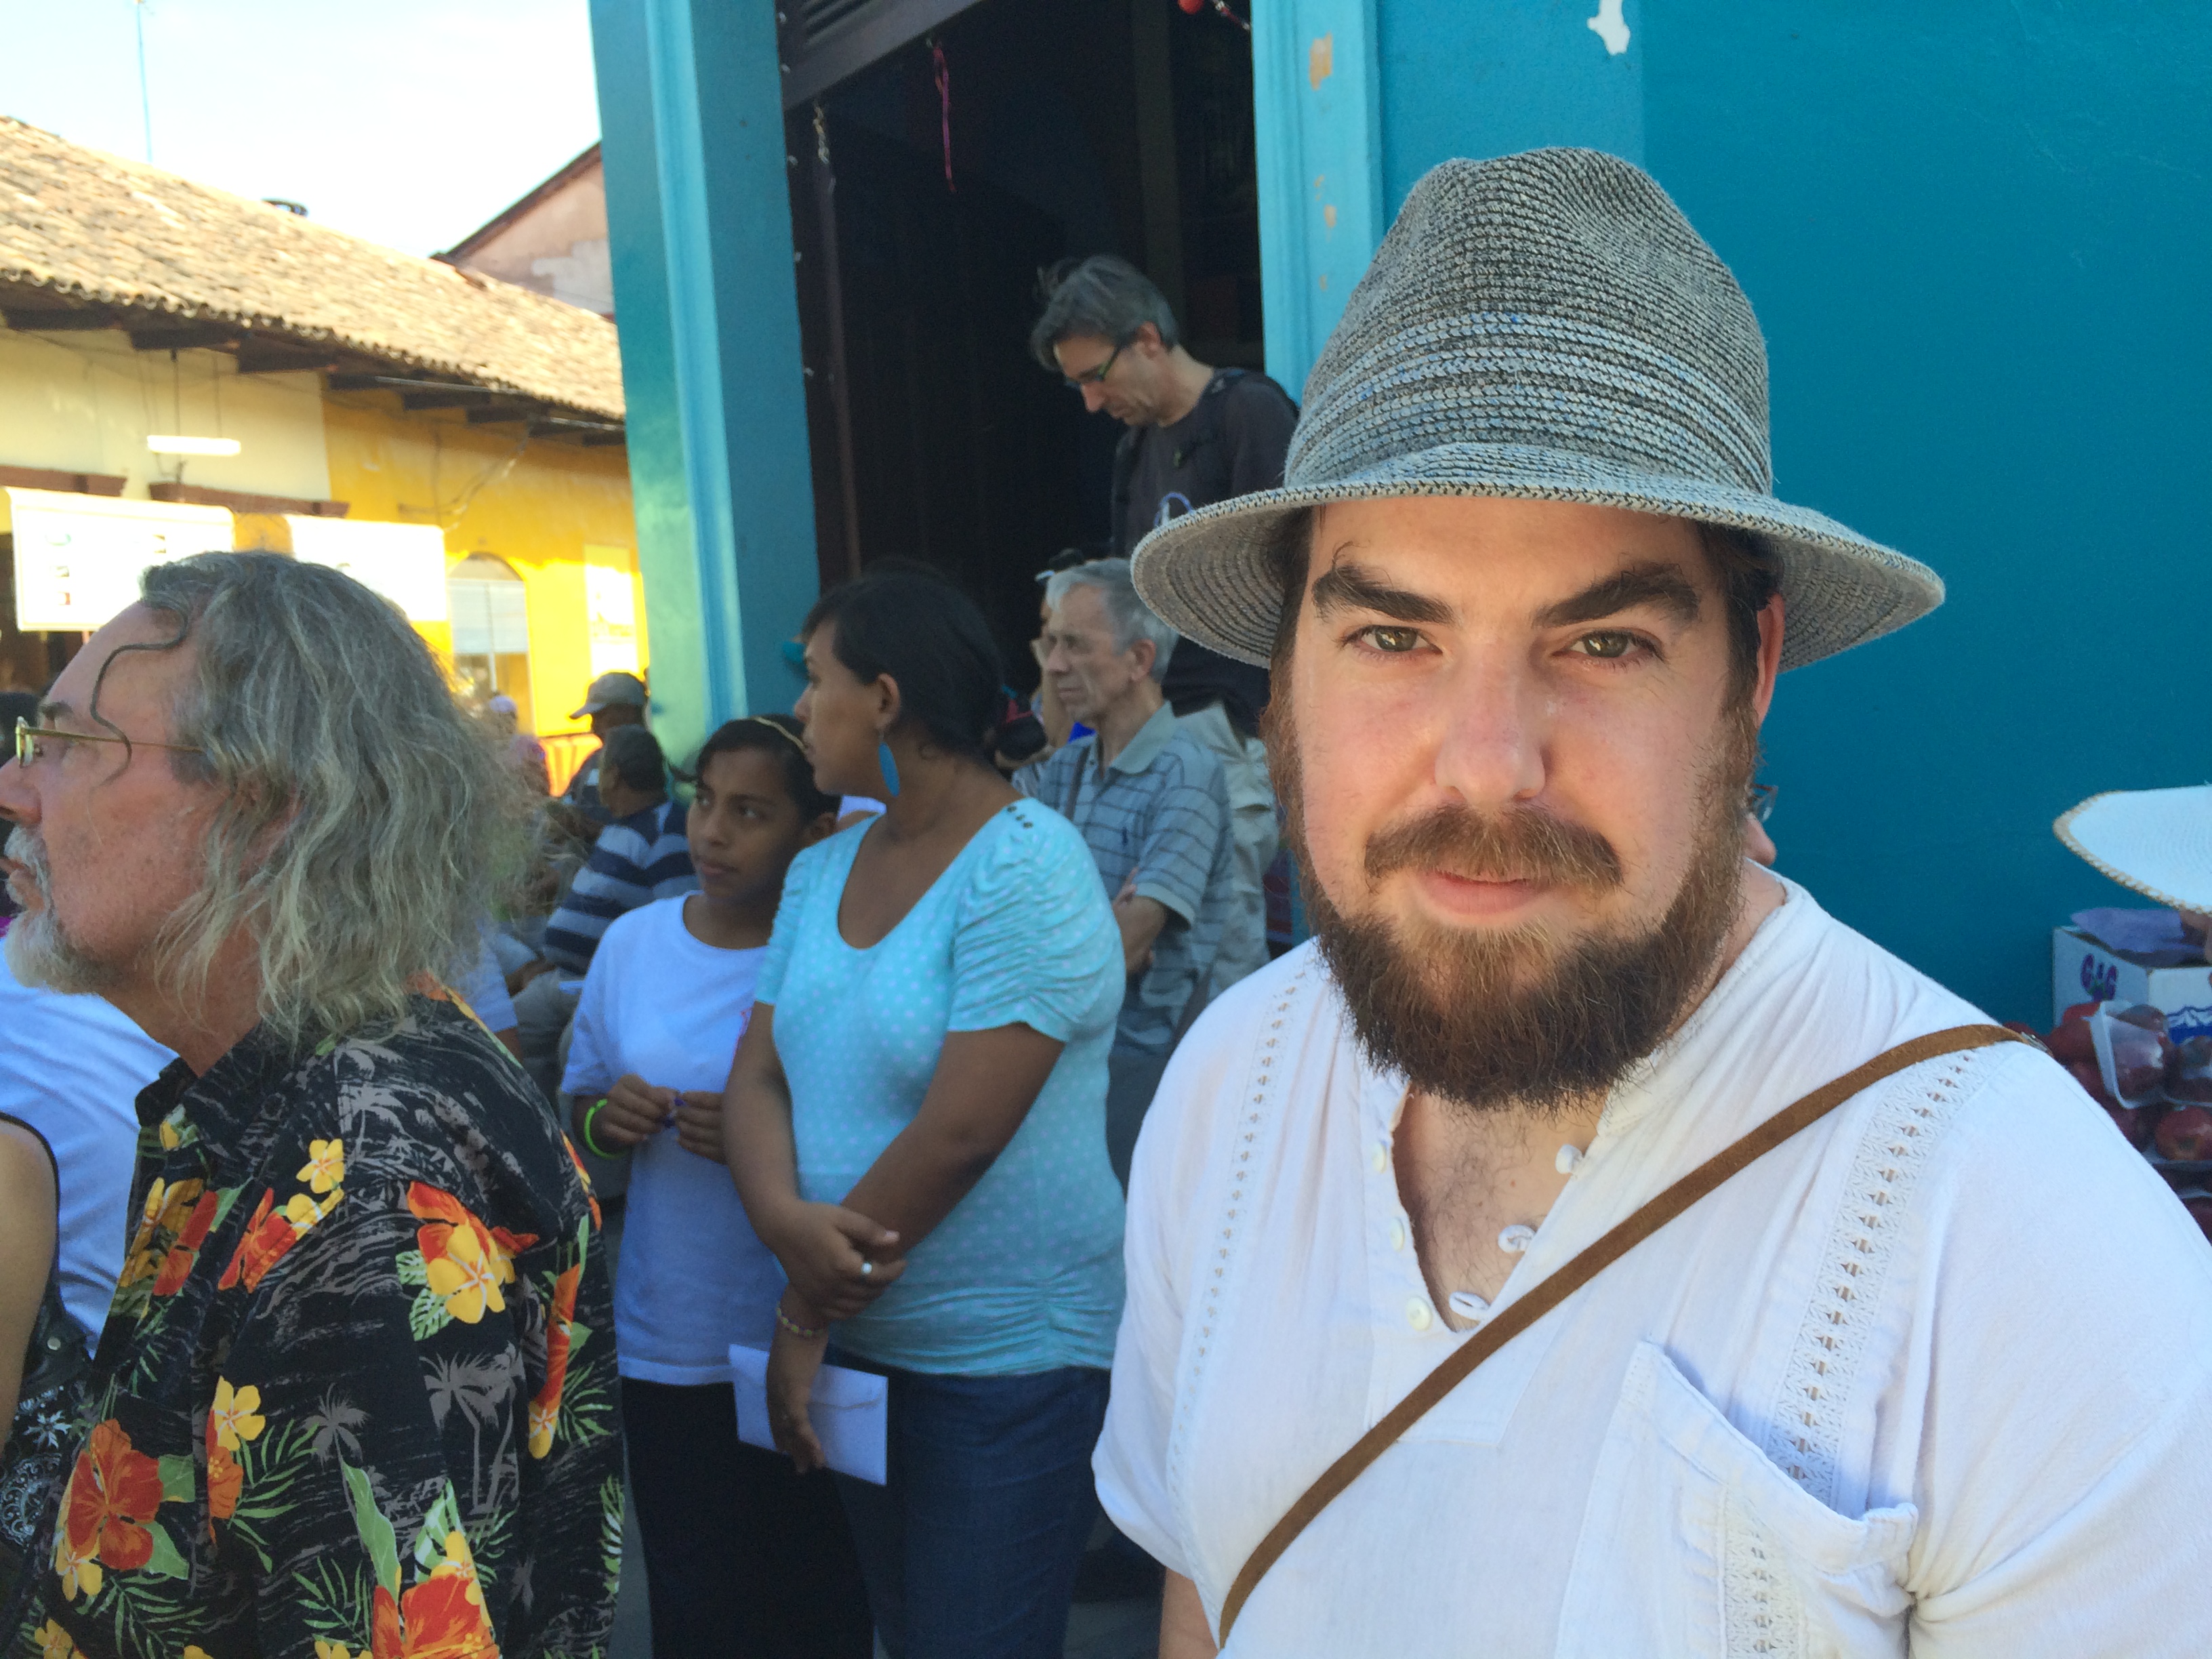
x=1026 y=1273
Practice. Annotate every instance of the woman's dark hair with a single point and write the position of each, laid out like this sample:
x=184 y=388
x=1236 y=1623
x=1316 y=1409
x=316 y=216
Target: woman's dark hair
x=776 y=735
x=933 y=642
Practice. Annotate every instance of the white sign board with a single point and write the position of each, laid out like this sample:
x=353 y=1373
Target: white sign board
x=78 y=558
x=404 y=563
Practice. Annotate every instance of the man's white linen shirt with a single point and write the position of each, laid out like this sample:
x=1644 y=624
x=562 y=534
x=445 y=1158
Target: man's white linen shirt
x=1937 y=1374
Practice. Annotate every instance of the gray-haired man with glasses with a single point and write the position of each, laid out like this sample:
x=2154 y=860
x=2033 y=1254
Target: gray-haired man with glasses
x=252 y=817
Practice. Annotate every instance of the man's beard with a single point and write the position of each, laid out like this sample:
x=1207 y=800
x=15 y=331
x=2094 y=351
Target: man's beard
x=38 y=952
x=1488 y=1019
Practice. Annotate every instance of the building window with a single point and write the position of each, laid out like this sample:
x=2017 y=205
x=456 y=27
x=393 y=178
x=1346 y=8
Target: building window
x=491 y=629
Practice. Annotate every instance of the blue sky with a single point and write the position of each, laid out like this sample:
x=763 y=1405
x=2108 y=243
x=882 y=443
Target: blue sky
x=408 y=122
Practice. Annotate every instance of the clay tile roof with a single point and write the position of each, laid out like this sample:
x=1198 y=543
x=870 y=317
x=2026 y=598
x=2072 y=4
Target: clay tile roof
x=95 y=229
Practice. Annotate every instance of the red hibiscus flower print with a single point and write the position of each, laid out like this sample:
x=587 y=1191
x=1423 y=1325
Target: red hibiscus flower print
x=113 y=1491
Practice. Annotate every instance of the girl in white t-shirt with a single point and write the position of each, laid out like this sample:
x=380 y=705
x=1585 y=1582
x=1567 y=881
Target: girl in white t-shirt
x=743 y=1555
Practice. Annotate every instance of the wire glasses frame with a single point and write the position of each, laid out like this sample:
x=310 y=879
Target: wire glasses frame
x=28 y=736
x=1760 y=802
x=1093 y=376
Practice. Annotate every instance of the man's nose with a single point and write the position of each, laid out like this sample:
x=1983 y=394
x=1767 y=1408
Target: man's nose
x=1094 y=396
x=19 y=802
x=800 y=709
x=1496 y=732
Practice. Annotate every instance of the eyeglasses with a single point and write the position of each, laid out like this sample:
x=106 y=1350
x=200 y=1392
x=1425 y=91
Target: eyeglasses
x=28 y=736
x=1092 y=376
x=1760 y=802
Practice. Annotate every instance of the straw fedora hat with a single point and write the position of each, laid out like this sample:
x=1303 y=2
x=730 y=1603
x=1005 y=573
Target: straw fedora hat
x=2158 y=842
x=1544 y=326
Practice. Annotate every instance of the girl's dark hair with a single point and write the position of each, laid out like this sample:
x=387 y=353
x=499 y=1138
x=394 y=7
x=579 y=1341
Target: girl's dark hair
x=933 y=642
x=773 y=734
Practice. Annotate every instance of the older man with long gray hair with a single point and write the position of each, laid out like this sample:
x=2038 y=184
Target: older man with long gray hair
x=346 y=1401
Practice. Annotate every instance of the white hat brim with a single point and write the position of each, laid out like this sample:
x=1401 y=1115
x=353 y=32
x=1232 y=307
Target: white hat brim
x=1208 y=575
x=2156 y=841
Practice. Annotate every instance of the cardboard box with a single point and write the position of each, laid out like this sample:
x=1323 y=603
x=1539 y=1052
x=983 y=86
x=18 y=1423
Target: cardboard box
x=2084 y=970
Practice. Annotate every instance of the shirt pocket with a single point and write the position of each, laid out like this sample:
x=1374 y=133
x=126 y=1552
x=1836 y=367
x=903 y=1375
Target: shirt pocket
x=1694 y=1543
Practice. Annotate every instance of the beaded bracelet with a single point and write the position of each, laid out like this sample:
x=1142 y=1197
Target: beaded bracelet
x=796 y=1328
x=591 y=1117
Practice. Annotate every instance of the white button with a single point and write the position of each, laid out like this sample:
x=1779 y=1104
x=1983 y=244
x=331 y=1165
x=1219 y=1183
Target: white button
x=1378 y=1158
x=1417 y=1313
x=1515 y=1239
x=1469 y=1306
x=1397 y=1235
x=1569 y=1160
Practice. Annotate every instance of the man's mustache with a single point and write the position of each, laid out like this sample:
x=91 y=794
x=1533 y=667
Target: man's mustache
x=25 y=848
x=1525 y=844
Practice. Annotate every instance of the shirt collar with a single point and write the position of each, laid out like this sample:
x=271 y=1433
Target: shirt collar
x=1141 y=750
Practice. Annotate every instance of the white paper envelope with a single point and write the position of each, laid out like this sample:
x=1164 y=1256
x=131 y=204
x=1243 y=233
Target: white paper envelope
x=851 y=1412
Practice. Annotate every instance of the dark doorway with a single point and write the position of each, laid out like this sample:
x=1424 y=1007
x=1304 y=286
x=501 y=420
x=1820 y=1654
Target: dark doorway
x=1116 y=127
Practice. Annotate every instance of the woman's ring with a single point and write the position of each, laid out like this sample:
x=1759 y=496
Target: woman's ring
x=867 y=1268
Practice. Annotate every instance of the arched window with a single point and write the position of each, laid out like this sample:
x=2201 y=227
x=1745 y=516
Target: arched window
x=491 y=629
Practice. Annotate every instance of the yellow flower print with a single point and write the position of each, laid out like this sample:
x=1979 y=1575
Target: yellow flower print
x=77 y=1572
x=304 y=1212
x=233 y=1416
x=467 y=1277
x=195 y=1652
x=54 y=1643
x=335 y=1650
x=325 y=1165
x=170 y=1139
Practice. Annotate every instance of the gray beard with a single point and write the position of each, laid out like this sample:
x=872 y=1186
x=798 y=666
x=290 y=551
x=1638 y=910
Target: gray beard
x=1490 y=1020
x=40 y=953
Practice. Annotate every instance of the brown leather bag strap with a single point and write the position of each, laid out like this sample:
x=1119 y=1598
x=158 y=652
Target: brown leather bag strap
x=1517 y=1316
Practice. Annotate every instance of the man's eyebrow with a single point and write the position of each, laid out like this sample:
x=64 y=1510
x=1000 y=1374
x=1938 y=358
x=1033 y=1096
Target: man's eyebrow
x=1656 y=584
x=1347 y=584
x=50 y=711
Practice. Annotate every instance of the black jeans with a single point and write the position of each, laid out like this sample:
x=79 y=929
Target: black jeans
x=744 y=1556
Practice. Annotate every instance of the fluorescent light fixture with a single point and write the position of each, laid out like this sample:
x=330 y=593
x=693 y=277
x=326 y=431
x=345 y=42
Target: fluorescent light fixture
x=162 y=444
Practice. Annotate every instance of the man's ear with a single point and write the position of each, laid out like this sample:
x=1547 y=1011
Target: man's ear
x=1146 y=653
x=823 y=826
x=1146 y=340
x=1769 y=655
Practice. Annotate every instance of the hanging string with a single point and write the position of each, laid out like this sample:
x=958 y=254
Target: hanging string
x=942 y=72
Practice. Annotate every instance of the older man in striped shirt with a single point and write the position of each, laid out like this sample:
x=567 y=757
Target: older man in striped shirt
x=1153 y=804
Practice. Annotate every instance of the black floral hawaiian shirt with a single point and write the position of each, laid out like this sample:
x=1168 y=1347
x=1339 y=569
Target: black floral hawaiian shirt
x=356 y=1394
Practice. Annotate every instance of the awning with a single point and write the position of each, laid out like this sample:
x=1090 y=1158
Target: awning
x=78 y=558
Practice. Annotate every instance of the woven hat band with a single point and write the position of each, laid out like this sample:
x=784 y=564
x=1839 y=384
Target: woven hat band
x=1546 y=382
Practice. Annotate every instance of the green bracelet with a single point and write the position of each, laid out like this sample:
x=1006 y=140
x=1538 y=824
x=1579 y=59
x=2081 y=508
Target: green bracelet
x=592 y=1144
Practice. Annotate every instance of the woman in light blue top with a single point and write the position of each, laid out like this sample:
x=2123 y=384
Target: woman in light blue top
x=916 y=1123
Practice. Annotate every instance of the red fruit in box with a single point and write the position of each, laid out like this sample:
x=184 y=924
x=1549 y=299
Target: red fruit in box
x=2190 y=1077
x=2085 y=1073
x=2200 y=1206
x=2185 y=1133
x=2072 y=1042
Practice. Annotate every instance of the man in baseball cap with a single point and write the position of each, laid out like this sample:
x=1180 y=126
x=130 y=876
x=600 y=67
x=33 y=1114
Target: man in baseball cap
x=615 y=699
x=1589 y=1246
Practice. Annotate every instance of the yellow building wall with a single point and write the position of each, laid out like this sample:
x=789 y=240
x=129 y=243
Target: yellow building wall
x=536 y=503
x=87 y=403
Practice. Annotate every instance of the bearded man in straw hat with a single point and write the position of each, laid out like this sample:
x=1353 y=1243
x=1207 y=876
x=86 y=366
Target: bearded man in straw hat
x=345 y=1399
x=1926 y=1363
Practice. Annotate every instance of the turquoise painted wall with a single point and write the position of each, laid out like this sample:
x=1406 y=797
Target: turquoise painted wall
x=691 y=113
x=1977 y=236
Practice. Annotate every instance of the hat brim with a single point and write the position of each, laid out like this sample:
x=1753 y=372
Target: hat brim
x=2157 y=842
x=1207 y=573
